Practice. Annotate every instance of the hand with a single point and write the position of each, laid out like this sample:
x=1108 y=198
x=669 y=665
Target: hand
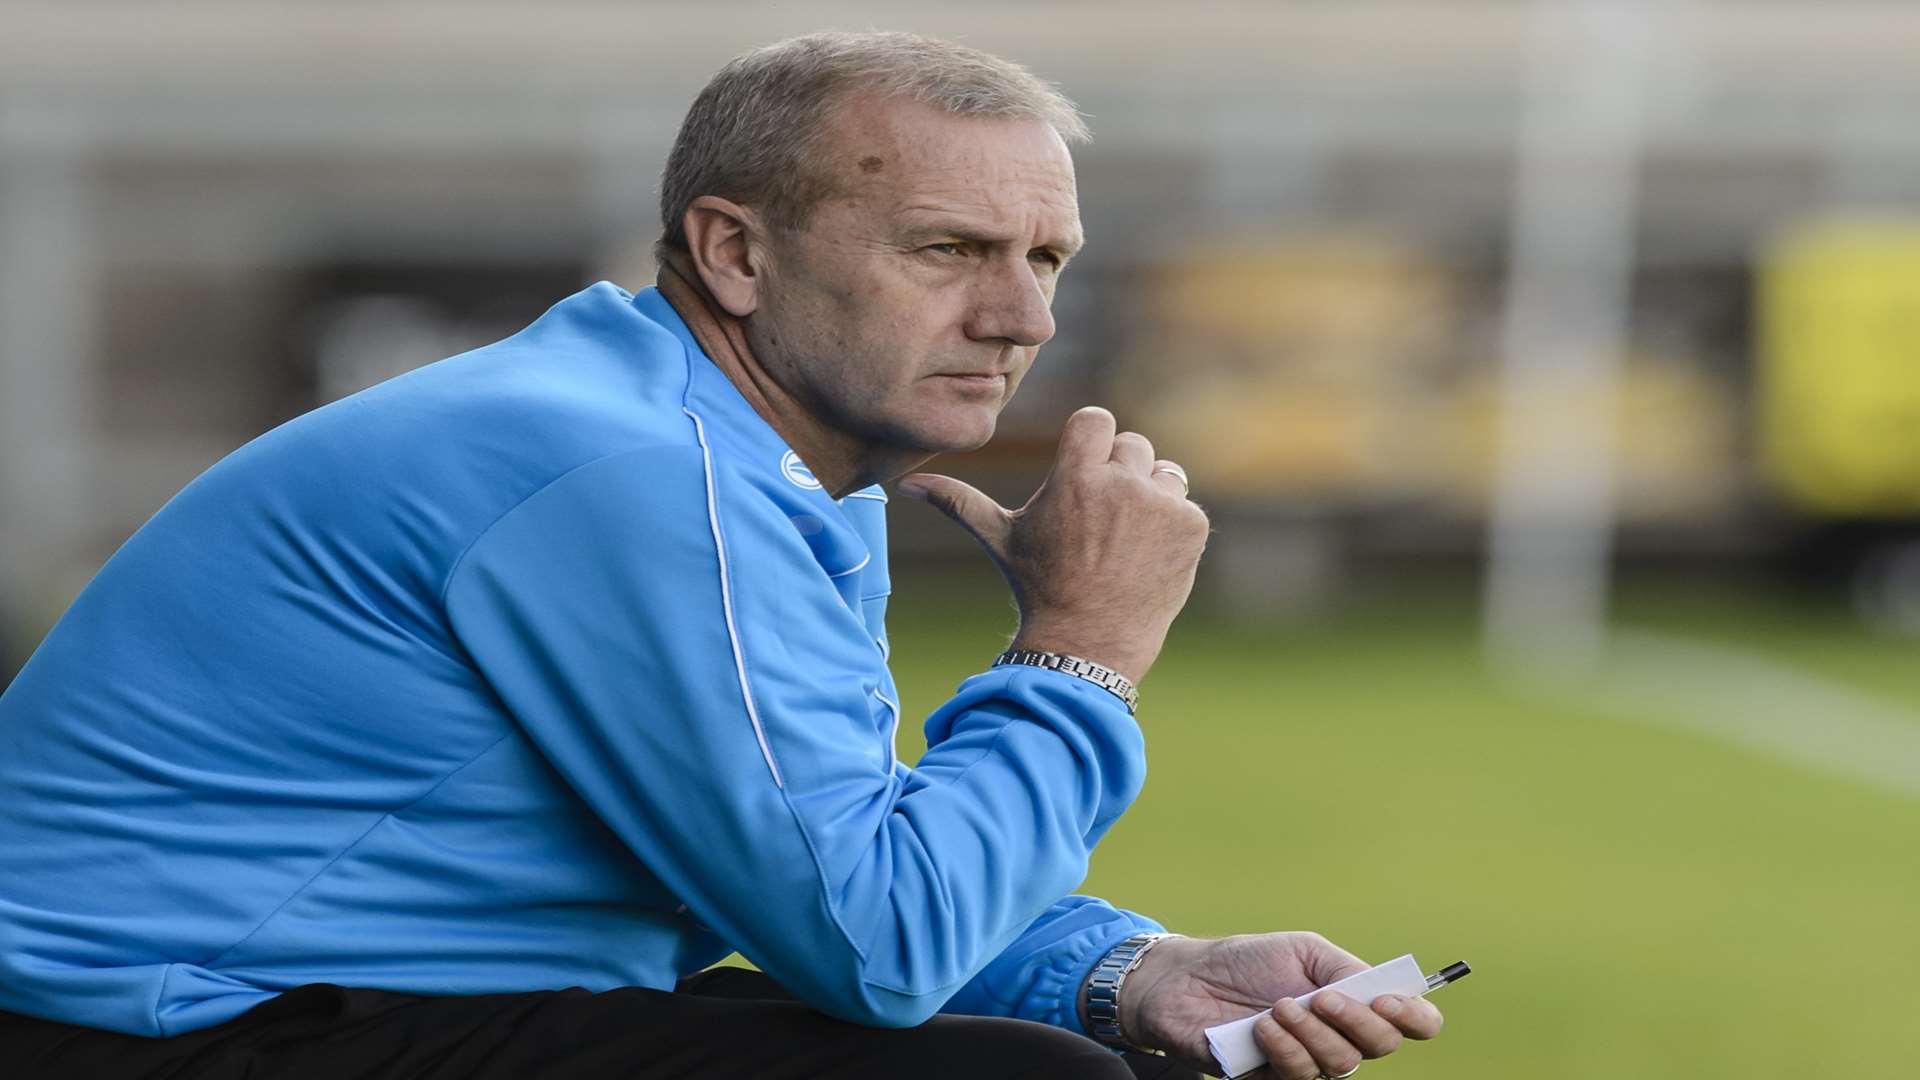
x=1184 y=986
x=1102 y=557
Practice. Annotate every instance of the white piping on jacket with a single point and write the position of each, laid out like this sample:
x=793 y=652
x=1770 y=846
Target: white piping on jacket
x=726 y=599
x=893 y=729
x=861 y=565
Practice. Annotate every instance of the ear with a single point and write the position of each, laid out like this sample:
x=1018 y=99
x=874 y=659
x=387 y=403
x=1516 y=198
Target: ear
x=719 y=237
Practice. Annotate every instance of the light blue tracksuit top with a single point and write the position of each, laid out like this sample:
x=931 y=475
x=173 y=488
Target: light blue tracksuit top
x=547 y=665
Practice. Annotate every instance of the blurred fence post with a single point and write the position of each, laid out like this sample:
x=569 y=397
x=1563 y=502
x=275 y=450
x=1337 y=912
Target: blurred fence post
x=47 y=310
x=1564 y=335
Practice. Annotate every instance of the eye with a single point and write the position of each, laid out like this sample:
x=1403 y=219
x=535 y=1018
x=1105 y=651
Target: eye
x=945 y=247
x=1045 y=256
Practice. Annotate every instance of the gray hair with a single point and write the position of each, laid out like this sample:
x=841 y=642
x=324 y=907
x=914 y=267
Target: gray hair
x=754 y=133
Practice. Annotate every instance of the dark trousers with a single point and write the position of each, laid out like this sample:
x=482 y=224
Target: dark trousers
x=723 y=1022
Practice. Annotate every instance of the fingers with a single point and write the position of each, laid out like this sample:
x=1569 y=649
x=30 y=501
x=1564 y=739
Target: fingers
x=1338 y=1033
x=1170 y=477
x=1327 y=1052
x=1416 y=1018
x=987 y=520
x=1087 y=439
x=1285 y=1056
x=1132 y=451
x=1103 y=556
x=1366 y=1030
x=1300 y=1045
x=1335 y=1033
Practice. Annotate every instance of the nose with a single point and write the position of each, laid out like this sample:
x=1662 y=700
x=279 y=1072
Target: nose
x=1010 y=304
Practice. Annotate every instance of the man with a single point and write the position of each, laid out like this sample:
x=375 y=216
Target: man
x=561 y=664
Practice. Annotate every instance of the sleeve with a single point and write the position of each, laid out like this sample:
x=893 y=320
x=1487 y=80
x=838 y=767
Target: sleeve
x=1038 y=977
x=665 y=636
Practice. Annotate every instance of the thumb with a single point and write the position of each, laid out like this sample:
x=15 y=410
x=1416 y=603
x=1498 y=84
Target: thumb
x=1324 y=962
x=987 y=520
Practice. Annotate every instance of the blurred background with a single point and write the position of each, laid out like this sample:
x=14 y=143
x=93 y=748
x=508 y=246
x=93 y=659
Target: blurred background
x=1551 y=371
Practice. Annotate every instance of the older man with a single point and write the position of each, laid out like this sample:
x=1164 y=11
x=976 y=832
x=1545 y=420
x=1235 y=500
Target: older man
x=449 y=729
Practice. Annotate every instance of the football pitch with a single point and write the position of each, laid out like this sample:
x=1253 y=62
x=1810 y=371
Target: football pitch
x=1637 y=897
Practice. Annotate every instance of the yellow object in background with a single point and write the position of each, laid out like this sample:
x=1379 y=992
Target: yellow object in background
x=1839 y=385
x=1342 y=368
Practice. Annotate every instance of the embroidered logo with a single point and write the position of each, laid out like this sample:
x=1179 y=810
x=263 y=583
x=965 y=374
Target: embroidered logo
x=796 y=471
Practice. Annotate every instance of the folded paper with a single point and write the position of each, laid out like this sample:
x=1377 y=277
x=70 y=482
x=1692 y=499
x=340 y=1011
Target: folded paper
x=1232 y=1043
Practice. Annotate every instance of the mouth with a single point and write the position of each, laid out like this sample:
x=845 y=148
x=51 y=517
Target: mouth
x=976 y=384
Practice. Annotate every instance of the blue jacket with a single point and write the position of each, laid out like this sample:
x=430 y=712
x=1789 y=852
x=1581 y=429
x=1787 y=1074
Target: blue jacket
x=546 y=665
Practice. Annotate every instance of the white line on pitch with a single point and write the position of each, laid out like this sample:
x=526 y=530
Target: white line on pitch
x=1762 y=704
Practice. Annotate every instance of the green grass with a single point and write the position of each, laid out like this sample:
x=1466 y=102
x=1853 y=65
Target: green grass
x=1636 y=901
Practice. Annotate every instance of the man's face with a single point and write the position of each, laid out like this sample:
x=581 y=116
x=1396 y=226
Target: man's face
x=908 y=309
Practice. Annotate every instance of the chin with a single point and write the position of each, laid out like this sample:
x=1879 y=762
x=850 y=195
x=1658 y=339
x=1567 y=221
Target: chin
x=958 y=438
x=944 y=427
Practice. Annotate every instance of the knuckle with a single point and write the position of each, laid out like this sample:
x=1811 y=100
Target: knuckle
x=1385 y=1045
x=1274 y=1038
x=1284 y=1053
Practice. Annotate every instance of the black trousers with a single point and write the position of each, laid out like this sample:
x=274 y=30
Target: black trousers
x=724 y=1022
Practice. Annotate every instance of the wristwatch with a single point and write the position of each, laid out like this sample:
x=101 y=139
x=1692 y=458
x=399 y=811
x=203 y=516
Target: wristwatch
x=1099 y=675
x=1101 y=991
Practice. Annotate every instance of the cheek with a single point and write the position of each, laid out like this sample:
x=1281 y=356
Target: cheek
x=873 y=311
x=909 y=330
x=822 y=321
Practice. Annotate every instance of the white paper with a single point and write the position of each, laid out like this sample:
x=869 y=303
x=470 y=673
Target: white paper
x=1232 y=1043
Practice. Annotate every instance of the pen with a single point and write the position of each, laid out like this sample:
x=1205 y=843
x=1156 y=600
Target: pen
x=1456 y=970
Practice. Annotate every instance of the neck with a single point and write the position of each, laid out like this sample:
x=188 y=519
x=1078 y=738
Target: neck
x=841 y=462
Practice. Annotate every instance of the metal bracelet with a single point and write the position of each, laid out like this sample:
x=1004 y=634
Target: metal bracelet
x=1099 y=675
x=1103 y=987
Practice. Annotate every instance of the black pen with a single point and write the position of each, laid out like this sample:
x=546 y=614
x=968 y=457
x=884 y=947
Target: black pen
x=1456 y=970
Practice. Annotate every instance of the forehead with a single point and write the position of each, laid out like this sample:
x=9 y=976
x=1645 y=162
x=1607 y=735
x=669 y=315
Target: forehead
x=905 y=158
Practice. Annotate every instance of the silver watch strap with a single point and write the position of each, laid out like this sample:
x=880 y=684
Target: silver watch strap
x=1098 y=674
x=1104 y=985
